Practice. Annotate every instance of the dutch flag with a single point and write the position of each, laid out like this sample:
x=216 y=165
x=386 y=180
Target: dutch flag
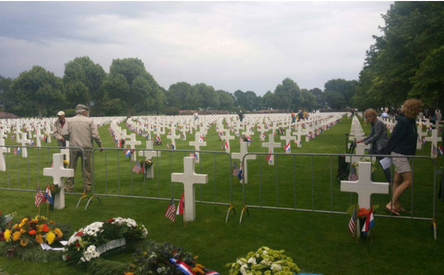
x=249 y=139
x=287 y=147
x=201 y=139
x=369 y=222
x=127 y=153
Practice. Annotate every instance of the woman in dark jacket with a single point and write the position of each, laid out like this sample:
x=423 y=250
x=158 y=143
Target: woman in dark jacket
x=403 y=142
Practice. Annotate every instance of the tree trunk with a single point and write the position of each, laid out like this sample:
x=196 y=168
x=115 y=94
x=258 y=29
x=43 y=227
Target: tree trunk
x=128 y=112
x=40 y=111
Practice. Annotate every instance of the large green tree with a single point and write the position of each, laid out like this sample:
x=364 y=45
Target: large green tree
x=40 y=89
x=129 y=81
x=403 y=56
x=83 y=81
x=288 y=95
x=202 y=96
x=7 y=97
x=226 y=100
x=309 y=102
x=177 y=94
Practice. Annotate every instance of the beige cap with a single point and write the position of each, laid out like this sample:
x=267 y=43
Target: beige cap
x=81 y=107
x=61 y=113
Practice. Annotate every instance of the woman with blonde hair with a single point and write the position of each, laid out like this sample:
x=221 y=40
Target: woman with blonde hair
x=402 y=142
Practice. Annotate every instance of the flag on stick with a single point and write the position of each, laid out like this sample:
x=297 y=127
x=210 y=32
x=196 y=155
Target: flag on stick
x=352 y=223
x=48 y=196
x=287 y=147
x=170 y=212
x=369 y=222
x=38 y=197
x=352 y=176
x=181 y=205
x=137 y=168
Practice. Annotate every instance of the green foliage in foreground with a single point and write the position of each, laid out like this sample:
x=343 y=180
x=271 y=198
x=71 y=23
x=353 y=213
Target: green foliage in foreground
x=317 y=242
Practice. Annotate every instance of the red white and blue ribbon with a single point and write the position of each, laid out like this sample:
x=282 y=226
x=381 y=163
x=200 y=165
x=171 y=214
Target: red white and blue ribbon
x=182 y=267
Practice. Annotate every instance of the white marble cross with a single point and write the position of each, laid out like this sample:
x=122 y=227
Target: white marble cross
x=48 y=132
x=149 y=174
x=299 y=134
x=271 y=145
x=173 y=138
x=189 y=178
x=226 y=137
x=132 y=143
x=420 y=135
x=288 y=138
x=247 y=132
x=364 y=186
x=57 y=171
x=434 y=139
x=23 y=141
x=65 y=152
x=197 y=144
x=2 y=157
x=38 y=137
x=240 y=156
x=2 y=134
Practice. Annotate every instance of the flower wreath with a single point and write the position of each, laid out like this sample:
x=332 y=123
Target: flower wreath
x=88 y=243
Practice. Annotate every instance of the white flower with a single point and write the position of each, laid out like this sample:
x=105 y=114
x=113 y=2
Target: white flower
x=252 y=260
x=277 y=267
x=91 y=248
x=83 y=259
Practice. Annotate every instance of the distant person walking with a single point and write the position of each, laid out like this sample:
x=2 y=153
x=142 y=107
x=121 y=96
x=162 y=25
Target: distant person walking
x=82 y=132
x=293 y=116
x=60 y=129
x=402 y=142
x=378 y=138
x=300 y=115
x=241 y=115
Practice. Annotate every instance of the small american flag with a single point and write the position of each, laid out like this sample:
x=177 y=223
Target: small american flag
x=170 y=212
x=38 y=197
x=137 y=168
x=352 y=223
x=352 y=176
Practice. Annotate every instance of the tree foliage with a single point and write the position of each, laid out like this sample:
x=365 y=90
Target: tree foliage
x=39 y=90
x=405 y=60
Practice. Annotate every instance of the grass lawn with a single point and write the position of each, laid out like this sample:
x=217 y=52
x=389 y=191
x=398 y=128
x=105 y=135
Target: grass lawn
x=317 y=242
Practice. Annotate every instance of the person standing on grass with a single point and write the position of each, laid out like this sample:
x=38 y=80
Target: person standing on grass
x=60 y=129
x=241 y=115
x=378 y=138
x=293 y=116
x=82 y=131
x=402 y=142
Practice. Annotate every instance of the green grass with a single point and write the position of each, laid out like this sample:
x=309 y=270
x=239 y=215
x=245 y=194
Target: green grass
x=317 y=242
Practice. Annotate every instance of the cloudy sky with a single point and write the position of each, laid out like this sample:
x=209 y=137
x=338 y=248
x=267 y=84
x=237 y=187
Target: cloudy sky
x=248 y=46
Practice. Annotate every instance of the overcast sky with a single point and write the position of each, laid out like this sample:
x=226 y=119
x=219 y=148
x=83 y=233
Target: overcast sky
x=248 y=46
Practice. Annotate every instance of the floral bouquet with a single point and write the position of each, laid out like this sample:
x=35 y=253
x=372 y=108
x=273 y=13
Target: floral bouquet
x=24 y=238
x=85 y=244
x=166 y=259
x=264 y=261
x=148 y=163
x=55 y=189
x=4 y=221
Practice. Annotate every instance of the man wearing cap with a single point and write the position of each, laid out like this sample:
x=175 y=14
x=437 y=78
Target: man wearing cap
x=82 y=131
x=60 y=129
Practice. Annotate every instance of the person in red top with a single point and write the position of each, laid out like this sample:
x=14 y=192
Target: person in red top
x=293 y=116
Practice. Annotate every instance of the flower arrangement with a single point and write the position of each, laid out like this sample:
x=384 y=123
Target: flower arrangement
x=84 y=245
x=362 y=212
x=4 y=221
x=23 y=239
x=148 y=163
x=54 y=188
x=165 y=259
x=265 y=261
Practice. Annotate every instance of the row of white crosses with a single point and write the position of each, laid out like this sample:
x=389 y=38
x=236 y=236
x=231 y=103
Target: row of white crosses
x=357 y=133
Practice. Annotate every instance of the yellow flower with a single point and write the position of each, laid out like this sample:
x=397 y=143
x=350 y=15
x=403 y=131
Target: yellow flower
x=129 y=273
x=7 y=235
x=15 y=226
x=39 y=238
x=16 y=235
x=58 y=232
x=50 y=236
x=24 y=242
x=39 y=228
x=22 y=230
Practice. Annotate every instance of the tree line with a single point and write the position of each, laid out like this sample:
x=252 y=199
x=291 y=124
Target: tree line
x=407 y=60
